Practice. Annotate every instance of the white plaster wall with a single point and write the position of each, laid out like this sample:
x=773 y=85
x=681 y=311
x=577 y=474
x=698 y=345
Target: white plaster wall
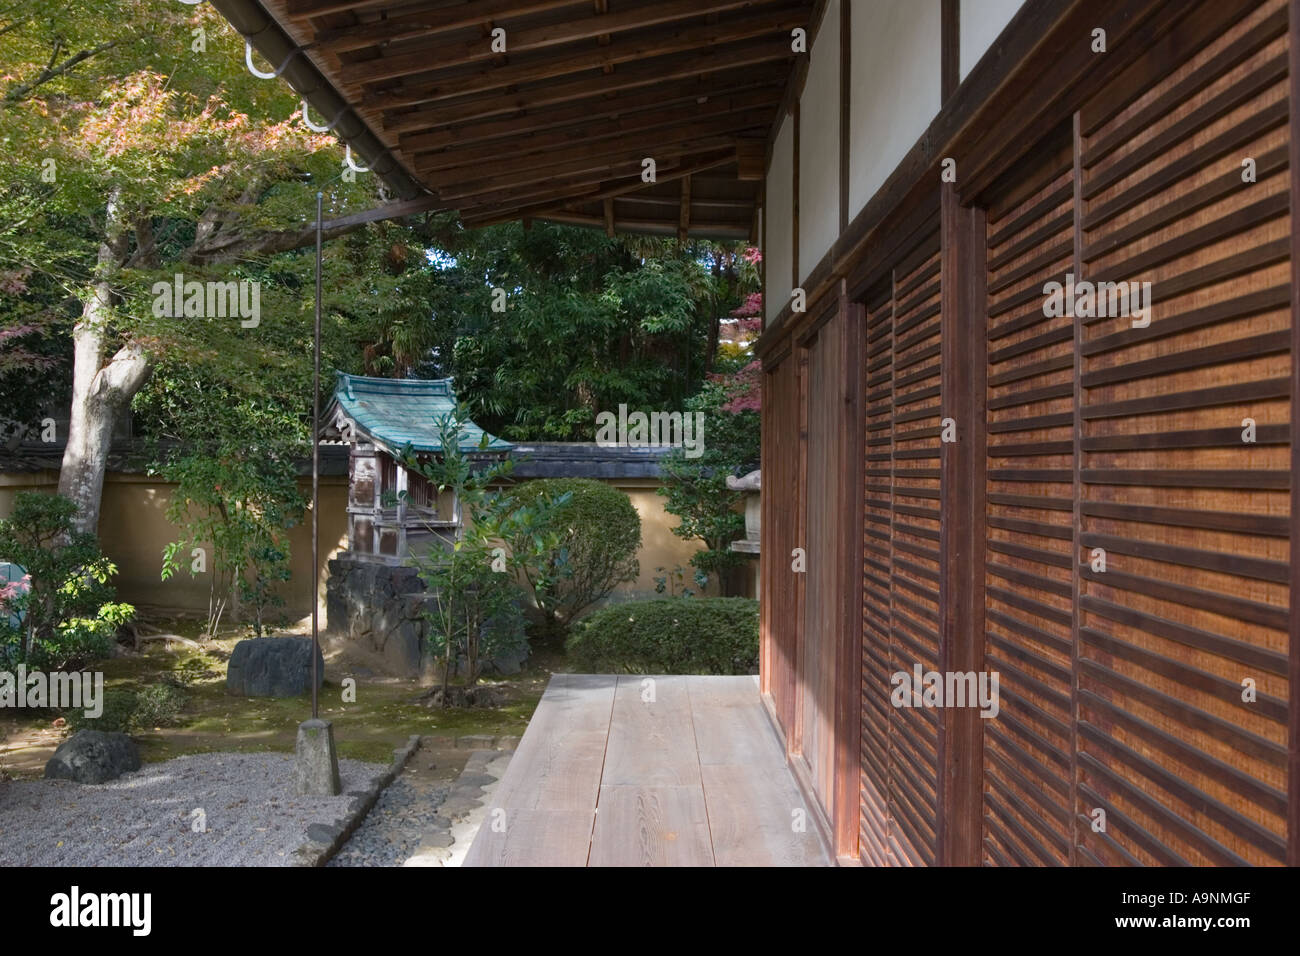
x=894 y=88
x=981 y=22
x=819 y=145
x=778 y=257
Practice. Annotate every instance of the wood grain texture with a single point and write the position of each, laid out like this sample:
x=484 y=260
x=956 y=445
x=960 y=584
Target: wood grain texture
x=759 y=819
x=1186 y=769
x=561 y=767
x=534 y=838
x=1121 y=688
x=695 y=777
x=651 y=741
x=651 y=826
x=729 y=729
x=428 y=83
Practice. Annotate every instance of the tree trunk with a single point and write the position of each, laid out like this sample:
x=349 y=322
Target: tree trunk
x=99 y=391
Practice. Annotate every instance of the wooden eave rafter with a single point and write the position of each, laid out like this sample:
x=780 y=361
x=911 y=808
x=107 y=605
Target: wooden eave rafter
x=558 y=125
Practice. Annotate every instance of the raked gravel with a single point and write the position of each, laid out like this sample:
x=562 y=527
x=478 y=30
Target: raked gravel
x=147 y=818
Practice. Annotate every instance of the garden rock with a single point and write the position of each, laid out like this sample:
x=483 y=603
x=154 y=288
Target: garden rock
x=273 y=667
x=381 y=608
x=93 y=756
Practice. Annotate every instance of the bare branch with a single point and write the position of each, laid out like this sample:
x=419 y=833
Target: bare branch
x=23 y=90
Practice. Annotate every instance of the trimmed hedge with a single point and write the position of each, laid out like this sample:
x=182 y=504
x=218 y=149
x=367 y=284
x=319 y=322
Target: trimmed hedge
x=600 y=536
x=669 y=636
x=127 y=711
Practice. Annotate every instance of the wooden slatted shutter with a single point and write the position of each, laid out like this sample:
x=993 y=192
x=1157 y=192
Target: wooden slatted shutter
x=1192 y=519
x=825 y=362
x=1029 y=513
x=781 y=589
x=1157 y=444
x=914 y=582
x=878 y=382
x=900 y=746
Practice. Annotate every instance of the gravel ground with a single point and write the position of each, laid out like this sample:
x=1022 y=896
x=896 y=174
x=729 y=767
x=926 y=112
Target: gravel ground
x=401 y=819
x=146 y=818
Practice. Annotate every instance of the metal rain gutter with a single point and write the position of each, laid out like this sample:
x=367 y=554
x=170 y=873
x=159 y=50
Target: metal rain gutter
x=271 y=42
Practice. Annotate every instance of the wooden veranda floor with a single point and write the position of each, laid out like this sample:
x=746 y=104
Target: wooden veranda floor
x=636 y=771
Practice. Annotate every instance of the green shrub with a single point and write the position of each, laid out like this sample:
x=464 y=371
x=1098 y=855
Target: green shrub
x=158 y=705
x=118 y=711
x=69 y=616
x=669 y=636
x=125 y=711
x=600 y=533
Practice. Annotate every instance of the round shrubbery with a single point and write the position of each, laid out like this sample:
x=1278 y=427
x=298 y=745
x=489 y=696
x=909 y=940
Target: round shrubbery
x=600 y=537
x=669 y=636
x=128 y=711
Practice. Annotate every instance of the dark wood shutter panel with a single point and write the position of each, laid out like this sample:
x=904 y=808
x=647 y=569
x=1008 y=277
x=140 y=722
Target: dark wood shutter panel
x=877 y=713
x=1029 y=514
x=900 y=746
x=1193 y=521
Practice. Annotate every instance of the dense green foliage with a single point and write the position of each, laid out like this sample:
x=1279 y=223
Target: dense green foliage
x=600 y=534
x=143 y=148
x=233 y=458
x=696 y=488
x=127 y=711
x=590 y=322
x=669 y=636
x=69 y=616
x=477 y=613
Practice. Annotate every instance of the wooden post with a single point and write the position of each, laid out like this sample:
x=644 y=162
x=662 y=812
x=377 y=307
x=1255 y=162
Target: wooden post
x=401 y=510
x=848 y=663
x=949 y=48
x=1293 y=666
x=962 y=531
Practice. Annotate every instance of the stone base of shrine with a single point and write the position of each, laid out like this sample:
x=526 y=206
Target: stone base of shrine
x=380 y=608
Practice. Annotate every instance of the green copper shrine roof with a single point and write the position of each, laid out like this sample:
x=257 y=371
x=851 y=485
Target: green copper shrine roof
x=397 y=412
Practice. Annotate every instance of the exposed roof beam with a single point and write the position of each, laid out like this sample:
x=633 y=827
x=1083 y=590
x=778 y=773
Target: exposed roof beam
x=671 y=202
x=430 y=86
x=506 y=210
x=663 y=227
x=665 y=99
x=639 y=75
x=469 y=12
x=610 y=164
x=440 y=167
x=426 y=20
x=684 y=221
x=412 y=60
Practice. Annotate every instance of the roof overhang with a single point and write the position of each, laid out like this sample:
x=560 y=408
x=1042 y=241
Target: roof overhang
x=558 y=126
x=402 y=415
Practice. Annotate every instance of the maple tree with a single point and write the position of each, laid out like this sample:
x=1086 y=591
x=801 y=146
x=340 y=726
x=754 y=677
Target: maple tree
x=143 y=148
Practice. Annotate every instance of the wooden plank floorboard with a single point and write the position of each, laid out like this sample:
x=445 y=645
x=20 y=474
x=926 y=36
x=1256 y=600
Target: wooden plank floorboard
x=651 y=741
x=609 y=774
x=757 y=818
x=558 y=763
x=651 y=826
x=731 y=726
x=533 y=838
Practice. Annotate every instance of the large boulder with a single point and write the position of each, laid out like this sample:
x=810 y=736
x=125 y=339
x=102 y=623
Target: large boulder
x=93 y=756
x=273 y=667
